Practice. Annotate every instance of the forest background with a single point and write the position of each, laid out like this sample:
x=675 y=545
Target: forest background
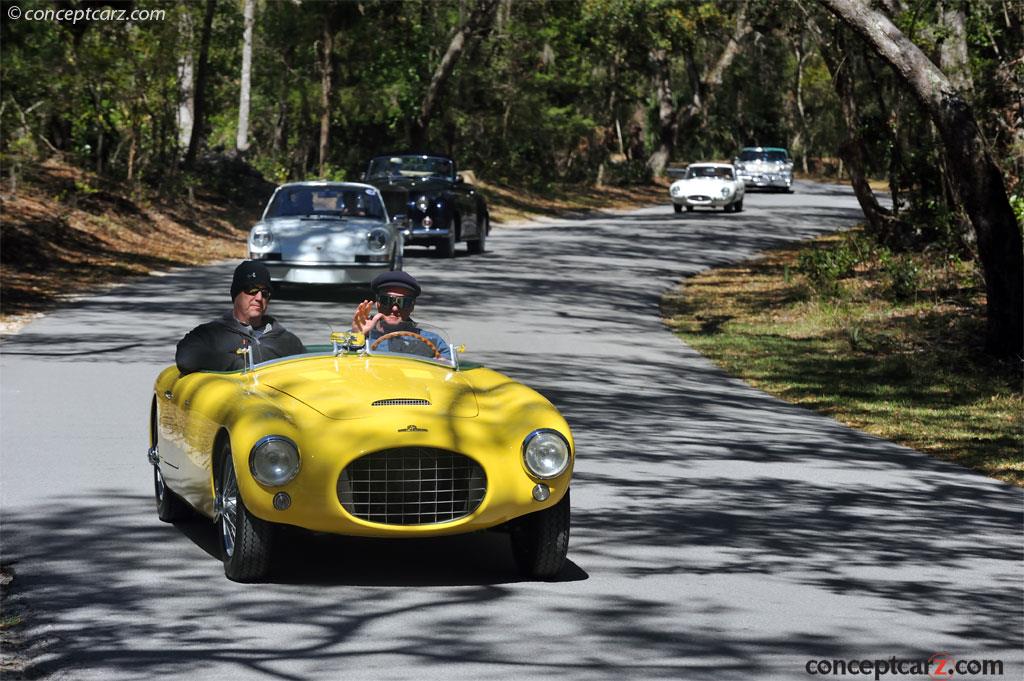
x=183 y=98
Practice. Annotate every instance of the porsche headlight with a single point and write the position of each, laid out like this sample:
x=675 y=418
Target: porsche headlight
x=274 y=460
x=377 y=239
x=422 y=204
x=726 y=191
x=261 y=237
x=546 y=453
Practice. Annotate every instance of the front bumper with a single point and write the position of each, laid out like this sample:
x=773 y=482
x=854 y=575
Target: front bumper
x=315 y=498
x=305 y=273
x=698 y=200
x=766 y=180
x=418 y=234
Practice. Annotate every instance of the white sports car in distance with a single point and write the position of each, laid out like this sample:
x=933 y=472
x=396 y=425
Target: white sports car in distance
x=712 y=185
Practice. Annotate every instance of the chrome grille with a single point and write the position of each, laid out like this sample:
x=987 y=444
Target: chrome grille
x=698 y=197
x=412 y=486
x=401 y=402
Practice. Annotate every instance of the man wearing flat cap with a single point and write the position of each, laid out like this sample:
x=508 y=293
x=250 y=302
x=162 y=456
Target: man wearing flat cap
x=395 y=297
x=213 y=346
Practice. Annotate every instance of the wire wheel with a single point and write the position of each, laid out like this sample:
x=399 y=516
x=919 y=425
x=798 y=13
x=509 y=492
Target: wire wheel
x=246 y=540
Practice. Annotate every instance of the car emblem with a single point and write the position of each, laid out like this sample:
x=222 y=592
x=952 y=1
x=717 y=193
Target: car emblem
x=411 y=428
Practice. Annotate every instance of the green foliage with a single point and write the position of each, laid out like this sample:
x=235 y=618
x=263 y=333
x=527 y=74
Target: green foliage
x=902 y=275
x=1017 y=201
x=626 y=173
x=552 y=91
x=824 y=267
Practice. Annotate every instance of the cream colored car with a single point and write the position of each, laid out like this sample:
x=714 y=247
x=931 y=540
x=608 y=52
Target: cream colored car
x=708 y=185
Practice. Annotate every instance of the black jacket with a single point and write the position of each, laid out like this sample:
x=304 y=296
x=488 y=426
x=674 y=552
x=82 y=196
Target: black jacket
x=211 y=346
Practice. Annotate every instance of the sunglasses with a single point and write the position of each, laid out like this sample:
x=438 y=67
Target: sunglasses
x=252 y=291
x=404 y=303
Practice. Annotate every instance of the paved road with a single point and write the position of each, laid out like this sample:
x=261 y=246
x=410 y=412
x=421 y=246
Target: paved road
x=717 y=533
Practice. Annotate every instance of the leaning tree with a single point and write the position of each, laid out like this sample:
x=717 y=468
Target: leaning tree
x=975 y=175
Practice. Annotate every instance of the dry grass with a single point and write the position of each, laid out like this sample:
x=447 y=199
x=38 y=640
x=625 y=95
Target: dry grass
x=508 y=204
x=911 y=371
x=65 y=232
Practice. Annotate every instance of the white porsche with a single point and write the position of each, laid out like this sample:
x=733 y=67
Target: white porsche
x=711 y=185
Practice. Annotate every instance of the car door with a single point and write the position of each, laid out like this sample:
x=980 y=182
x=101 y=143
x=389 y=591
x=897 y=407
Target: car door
x=194 y=405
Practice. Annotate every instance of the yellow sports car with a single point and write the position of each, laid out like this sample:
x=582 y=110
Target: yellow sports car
x=387 y=438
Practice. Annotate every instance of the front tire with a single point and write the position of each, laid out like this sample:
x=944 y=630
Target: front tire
x=738 y=206
x=677 y=208
x=540 y=541
x=689 y=209
x=246 y=541
x=446 y=246
x=169 y=506
x=480 y=245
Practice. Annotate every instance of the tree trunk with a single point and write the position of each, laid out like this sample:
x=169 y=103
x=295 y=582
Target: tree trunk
x=244 y=97
x=666 y=112
x=186 y=86
x=804 y=134
x=704 y=86
x=953 y=57
x=472 y=30
x=199 y=119
x=975 y=175
x=326 y=88
x=853 y=150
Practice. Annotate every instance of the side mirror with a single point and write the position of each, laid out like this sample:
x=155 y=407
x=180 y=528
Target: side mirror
x=459 y=179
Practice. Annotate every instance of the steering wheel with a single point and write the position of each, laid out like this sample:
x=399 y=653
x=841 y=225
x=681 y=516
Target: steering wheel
x=395 y=334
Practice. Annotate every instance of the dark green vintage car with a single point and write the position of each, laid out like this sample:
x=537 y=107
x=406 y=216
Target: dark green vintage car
x=443 y=208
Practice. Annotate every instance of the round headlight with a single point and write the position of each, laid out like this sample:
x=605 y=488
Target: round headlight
x=726 y=191
x=377 y=239
x=545 y=453
x=274 y=460
x=422 y=204
x=261 y=236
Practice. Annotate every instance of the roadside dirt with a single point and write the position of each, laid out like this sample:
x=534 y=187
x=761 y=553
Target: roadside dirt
x=65 y=232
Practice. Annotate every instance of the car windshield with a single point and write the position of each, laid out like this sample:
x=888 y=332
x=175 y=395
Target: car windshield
x=767 y=156
x=411 y=166
x=695 y=172
x=313 y=200
x=414 y=340
x=421 y=342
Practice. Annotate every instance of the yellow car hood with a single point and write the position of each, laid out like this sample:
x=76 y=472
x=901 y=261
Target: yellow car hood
x=358 y=387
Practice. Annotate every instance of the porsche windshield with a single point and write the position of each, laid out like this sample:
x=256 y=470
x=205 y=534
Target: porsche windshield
x=411 y=166
x=312 y=200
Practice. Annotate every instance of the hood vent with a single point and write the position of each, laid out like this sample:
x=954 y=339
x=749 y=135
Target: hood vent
x=401 y=402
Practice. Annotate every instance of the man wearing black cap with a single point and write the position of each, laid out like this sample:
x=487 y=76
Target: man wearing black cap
x=213 y=346
x=395 y=299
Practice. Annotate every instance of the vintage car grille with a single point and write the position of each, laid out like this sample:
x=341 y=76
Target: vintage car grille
x=412 y=486
x=698 y=197
x=401 y=402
